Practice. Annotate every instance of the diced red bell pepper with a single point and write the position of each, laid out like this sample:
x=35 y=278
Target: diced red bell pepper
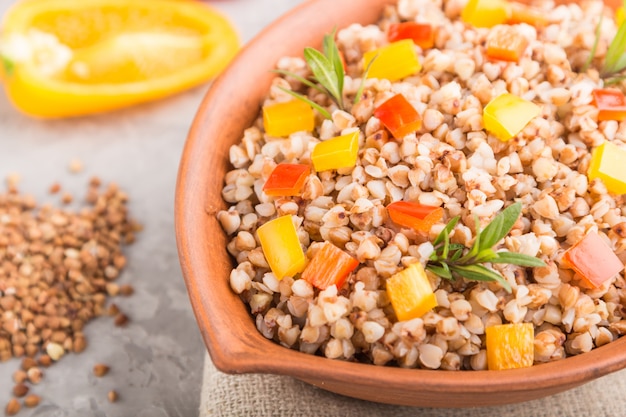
x=417 y=216
x=329 y=266
x=286 y=180
x=422 y=34
x=611 y=104
x=593 y=260
x=506 y=43
x=399 y=116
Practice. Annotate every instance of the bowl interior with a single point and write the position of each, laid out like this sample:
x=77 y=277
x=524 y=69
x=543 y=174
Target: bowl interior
x=227 y=328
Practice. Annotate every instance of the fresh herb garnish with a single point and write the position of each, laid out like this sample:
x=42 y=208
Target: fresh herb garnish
x=615 y=58
x=453 y=260
x=328 y=75
x=7 y=64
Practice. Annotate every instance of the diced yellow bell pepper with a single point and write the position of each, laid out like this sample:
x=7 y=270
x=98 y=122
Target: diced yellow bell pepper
x=283 y=119
x=410 y=293
x=506 y=115
x=393 y=62
x=486 y=13
x=619 y=16
x=281 y=247
x=335 y=153
x=608 y=162
x=510 y=346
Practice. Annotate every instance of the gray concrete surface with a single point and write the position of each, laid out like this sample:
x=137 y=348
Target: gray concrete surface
x=157 y=360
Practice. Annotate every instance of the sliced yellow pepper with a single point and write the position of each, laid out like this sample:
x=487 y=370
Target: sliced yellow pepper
x=608 y=162
x=91 y=56
x=410 y=293
x=281 y=247
x=510 y=346
x=393 y=62
x=283 y=119
x=486 y=13
x=507 y=115
x=335 y=153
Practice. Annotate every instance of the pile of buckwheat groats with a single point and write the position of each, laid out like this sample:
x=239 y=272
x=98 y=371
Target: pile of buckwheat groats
x=58 y=269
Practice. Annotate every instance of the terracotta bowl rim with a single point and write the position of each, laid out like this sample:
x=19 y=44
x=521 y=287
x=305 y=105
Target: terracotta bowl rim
x=234 y=344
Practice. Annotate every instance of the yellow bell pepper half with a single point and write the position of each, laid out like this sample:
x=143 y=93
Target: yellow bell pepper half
x=393 y=62
x=410 y=293
x=335 y=153
x=73 y=58
x=608 y=162
x=281 y=247
x=507 y=115
x=510 y=346
x=283 y=119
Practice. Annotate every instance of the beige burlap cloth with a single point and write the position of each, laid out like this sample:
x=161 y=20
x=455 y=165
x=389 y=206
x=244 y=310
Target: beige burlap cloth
x=270 y=395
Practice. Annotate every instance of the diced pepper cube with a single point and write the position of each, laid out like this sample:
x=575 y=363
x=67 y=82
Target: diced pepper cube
x=329 y=266
x=486 y=13
x=335 y=153
x=286 y=179
x=393 y=62
x=506 y=43
x=608 y=162
x=510 y=346
x=422 y=34
x=410 y=293
x=283 y=119
x=417 y=216
x=593 y=260
x=399 y=116
x=619 y=16
x=507 y=115
x=611 y=104
x=281 y=247
x=522 y=13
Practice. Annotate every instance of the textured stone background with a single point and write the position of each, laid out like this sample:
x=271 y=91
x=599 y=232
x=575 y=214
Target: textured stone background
x=156 y=361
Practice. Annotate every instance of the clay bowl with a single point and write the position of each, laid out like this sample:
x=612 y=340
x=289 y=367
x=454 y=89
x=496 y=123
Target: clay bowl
x=234 y=344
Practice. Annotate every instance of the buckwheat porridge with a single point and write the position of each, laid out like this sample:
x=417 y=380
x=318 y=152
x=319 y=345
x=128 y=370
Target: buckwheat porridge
x=343 y=203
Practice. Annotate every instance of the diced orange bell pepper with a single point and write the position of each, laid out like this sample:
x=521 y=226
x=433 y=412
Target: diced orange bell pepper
x=410 y=293
x=510 y=346
x=608 y=164
x=619 y=16
x=593 y=260
x=507 y=115
x=506 y=43
x=522 y=13
x=422 y=34
x=281 y=247
x=399 y=116
x=286 y=179
x=611 y=104
x=486 y=13
x=393 y=62
x=329 y=266
x=283 y=119
x=417 y=216
x=335 y=153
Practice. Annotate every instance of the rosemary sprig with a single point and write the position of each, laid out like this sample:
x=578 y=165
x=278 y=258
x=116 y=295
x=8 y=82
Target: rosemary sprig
x=615 y=58
x=453 y=260
x=7 y=64
x=328 y=75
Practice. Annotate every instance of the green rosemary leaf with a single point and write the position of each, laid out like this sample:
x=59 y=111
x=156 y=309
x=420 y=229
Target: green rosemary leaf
x=359 y=92
x=8 y=65
x=311 y=103
x=615 y=54
x=500 y=226
x=323 y=71
x=485 y=255
x=303 y=80
x=515 y=258
x=445 y=232
x=332 y=54
x=456 y=251
x=594 y=47
x=479 y=272
x=614 y=80
x=441 y=270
